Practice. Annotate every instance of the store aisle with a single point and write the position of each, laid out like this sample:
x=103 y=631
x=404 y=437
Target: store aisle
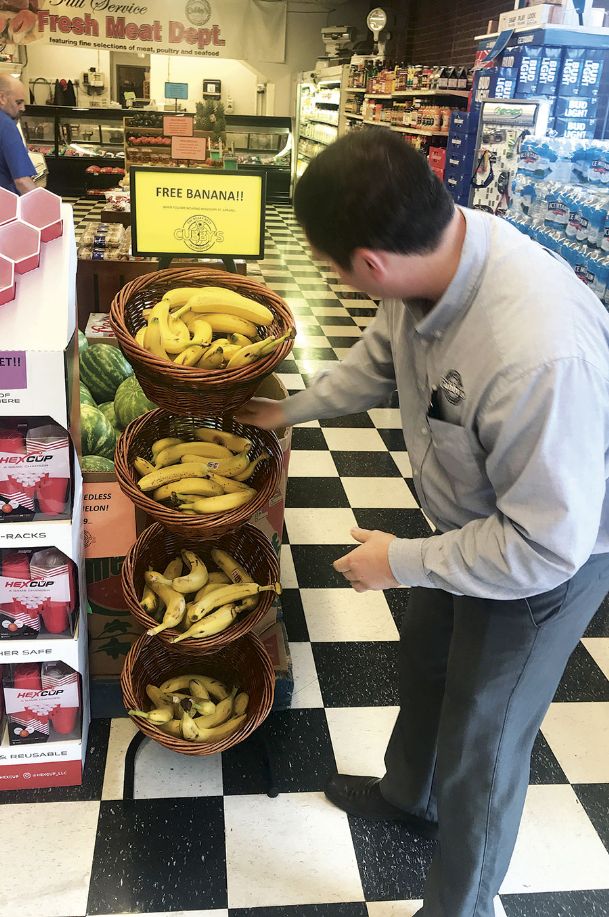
x=201 y=836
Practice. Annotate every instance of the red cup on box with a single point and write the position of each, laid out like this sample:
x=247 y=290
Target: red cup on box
x=16 y=564
x=56 y=616
x=12 y=441
x=28 y=676
x=64 y=719
x=52 y=494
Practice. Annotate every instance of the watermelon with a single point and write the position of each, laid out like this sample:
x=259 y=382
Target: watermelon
x=102 y=369
x=96 y=463
x=85 y=395
x=98 y=436
x=107 y=409
x=82 y=341
x=130 y=402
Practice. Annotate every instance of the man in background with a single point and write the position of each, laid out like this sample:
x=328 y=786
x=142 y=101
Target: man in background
x=16 y=167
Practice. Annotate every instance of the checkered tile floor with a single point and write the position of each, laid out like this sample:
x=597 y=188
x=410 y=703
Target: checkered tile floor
x=201 y=837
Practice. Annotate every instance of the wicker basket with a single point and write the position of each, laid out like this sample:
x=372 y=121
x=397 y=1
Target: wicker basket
x=185 y=389
x=244 y=663
x=156 y=547
x=137 y=440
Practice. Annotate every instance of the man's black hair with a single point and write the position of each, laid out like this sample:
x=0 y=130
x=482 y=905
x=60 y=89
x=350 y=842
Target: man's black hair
x=371 y=189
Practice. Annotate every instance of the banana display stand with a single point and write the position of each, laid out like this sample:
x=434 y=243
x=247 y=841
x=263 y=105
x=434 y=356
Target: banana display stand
x=195 y=404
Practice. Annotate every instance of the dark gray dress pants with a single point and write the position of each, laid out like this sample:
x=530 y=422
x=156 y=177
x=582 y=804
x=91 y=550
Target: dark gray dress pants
x=476 y=679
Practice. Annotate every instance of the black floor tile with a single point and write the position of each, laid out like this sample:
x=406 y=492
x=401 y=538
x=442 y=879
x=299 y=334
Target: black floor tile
x=558 y=904
x=302 y=910
x=294 y=616
x=313 y=285
x=159 y=855
x=392 y=862
x=594 y=797
x=545 y=768
x=397 y=599
x=326 y=492
x=308 y=438
x=313 y=564
x=315 y=303
x=309 y=330
x=583 y=680
x=329 y=320
x=344 y=342
x=300 y=752
x=93 y=775
x=363 y=311
x=599 y=625
x=405 y=523
x=365 y=465
x=352 y=294
x=348 y=420
x=357 y=674
x=393 y=439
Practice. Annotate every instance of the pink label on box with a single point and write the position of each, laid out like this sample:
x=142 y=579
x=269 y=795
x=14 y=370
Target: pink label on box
x=13 y=369
x=55 y=587
x=42 y=703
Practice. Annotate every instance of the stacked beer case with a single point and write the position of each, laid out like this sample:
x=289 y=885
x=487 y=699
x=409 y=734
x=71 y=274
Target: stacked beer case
x=44 y=710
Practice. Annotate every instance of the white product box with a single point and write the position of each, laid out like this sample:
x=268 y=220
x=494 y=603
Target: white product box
x=531 y=17
x=37 y=336
x=99 y=330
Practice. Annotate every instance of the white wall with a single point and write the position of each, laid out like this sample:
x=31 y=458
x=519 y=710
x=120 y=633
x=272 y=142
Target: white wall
x=238 y=79
x=60 y=63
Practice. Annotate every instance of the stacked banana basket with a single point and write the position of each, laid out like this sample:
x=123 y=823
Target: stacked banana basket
x=201 y=577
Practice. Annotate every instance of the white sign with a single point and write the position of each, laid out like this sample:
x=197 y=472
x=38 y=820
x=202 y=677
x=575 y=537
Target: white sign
x=238 y=29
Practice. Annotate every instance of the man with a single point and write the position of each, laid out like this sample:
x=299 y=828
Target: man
x=16 y=167
x=500 y=356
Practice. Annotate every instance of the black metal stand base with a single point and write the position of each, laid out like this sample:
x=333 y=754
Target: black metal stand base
x=259 y=737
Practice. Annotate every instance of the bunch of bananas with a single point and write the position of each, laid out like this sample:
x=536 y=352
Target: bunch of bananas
x=208 y=327
x=207 y=475
x=201 y=602
x=195 y=707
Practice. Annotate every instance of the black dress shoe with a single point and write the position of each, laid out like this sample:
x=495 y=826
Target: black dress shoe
x=362 y=796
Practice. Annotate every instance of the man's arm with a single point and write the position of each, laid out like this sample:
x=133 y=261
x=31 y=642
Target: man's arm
x=545 y=434
x=23 y=185
x=19 y=164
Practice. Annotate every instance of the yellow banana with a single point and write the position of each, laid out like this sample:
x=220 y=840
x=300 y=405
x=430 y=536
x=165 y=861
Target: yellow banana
x=196 y=577
x=219 y=299
x=227 y=594
x=157 y=697
x=210 y=587
x=172 y=473
x=257 y=351
x=246 y=475
x=190 y=356
x=204 y=707
x=162 y=444
x=201 y=330
x=198 y=691
x=152 y=340
x=212 y=358
x=150 y=601
x=174 y=568
x=179 y=296
x=216 y=733
x=230 y=441
x=241 y=702
x=189 y=728
x=174 y=333
x=158 y=717
x=143 y=466
x=172 y=728
x=229 y=352
x=213 y=624
x=227 y=468
x=174 y=601
x=140 y=335
x=220 y=504
x=241 y=339
x=228 y=485
x=221 y=713
x=187 y=487
x=231 y=567
x=173 y=454
x=221 y=323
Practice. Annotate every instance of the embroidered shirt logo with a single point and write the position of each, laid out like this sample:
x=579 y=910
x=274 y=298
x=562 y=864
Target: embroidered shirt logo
x=452 y=385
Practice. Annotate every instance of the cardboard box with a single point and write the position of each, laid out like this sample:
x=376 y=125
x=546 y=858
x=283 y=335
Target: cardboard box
x=56 y=763
x=531 y=17
x=276 y=643
x=99 y=330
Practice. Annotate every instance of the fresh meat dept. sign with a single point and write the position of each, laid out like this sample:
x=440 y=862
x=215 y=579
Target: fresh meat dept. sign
x=238 y=29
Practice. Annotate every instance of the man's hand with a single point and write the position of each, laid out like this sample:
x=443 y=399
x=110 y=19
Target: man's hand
x=367 y=567
x=262 y=412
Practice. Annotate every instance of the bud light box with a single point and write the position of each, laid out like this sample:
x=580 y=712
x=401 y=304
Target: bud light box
x=581 y=73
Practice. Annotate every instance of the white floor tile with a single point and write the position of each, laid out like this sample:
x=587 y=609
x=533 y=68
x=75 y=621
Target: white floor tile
x=344 y=439
x=344 y=615
x=359 y=738
x=598 y=647
x=47 y=850
x=312 y=463
x=159 y=773
x=295 y=849
x=379 y=493
x=393 y=908
x=292 y=381
x=310 y=341
x=287 y=572
x=364 y=320
x=307 y=692
x=319 y=294
x=341 y=331
x=402 y=460
x=557 y=848
x=308 y=423
x=280 y=286
x=578 y=734
x=386 y=418
x=314 y=525
x=221 y=912
x=321 y=311
x=357 y=303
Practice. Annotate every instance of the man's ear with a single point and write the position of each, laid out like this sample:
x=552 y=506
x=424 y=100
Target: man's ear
x=370 y=261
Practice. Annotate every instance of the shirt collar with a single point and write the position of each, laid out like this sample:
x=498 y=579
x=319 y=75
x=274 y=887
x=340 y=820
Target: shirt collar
x=462 y=289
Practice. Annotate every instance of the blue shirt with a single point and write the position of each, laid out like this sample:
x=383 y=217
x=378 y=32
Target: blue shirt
x=14 y=159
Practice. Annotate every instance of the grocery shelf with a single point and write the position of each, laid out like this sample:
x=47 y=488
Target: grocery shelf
x=378 y=95
x=353 y=115
x=313 y=140
x=414 y=93
x=319 y=121
x=351 y=89
x=376 y=123
x=407 y=130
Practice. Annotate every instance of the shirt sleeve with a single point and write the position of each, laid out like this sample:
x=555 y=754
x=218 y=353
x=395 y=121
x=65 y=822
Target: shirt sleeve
x=364 y=379
x=17 y=159
x=545 y=435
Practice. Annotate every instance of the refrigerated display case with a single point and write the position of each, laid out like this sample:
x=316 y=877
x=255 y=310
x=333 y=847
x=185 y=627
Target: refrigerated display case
x=321 y=116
